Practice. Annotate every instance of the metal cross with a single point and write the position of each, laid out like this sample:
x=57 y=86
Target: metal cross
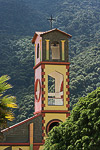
x=51 y=20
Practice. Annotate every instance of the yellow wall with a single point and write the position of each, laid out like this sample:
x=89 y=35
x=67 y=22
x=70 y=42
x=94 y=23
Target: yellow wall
x=3 y=147
x=61 y=69
x=50 y=116
x=41 y=147
x=22 y=147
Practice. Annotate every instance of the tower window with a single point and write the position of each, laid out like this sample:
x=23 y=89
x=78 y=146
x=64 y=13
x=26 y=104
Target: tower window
x=55 y=88
x=38 y=50
x=55 y=50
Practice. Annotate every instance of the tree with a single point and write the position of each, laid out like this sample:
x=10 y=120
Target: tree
x=7 y=102
x=81 y=131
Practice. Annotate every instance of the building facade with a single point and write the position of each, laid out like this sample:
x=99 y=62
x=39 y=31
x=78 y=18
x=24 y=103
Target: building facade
x=51 y=93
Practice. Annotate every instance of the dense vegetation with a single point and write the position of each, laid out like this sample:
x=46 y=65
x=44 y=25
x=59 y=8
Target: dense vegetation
x=81 y=131
x=20 y=19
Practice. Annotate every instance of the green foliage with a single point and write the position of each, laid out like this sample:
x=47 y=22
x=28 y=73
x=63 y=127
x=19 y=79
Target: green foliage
x=6 y=101
x=84 y=73
x=81 y=131
x=17 y=61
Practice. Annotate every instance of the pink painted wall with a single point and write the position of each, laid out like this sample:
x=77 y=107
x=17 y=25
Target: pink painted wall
x=38 y=76
x=40 y=48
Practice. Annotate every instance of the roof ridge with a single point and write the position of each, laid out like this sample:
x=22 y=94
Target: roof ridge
x=17 y=124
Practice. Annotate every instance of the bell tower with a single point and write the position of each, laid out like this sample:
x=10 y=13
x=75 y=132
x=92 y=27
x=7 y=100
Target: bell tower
x=51 y=77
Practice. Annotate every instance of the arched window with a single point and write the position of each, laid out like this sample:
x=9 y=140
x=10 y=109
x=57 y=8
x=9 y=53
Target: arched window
x=38 y=50
x=55 y=50
x=55 y=88
x=52 y=124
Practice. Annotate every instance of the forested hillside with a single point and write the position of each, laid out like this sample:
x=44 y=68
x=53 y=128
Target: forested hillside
x=18 y=22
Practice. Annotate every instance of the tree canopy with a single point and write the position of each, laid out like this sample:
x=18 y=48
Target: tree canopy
x=81 y=131
x=6 y=101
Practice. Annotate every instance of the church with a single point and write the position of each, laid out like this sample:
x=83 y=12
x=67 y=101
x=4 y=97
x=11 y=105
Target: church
x=51 y=91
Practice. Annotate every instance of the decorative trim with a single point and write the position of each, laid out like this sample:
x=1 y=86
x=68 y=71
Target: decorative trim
x=67 y=73
x=50 y=63
x=43 y=86
x=42 y=65
x=43 y=141
x=43 y=98
x=42 y=73
x=67 y=86
x=43 y=92
x=43 y=121
x=43 y=134
x=35 y=89
x=68 y=35
x=67 y=66
x=63 y=49
x=52 y=111
x=67 y=80
x=67 y=115
x=31 y=135
x=67 y=99
x=43 y=79
x=67 y=92
x=67 y=105
x=43 y=114
x=43 y=105
x=43 y=128
x=47 y=49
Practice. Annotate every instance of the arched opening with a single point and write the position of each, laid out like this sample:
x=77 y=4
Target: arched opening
x=52 y=124
x=55 y=88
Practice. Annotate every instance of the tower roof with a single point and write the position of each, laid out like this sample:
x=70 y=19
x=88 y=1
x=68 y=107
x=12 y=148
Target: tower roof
x=46 y=32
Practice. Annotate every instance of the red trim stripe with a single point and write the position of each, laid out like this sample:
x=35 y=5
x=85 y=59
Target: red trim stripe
x=43 y=114
x=43 y=86
x=67 y=92
x=43 y=121
x=43 y=98
x=67 y=73
x=67 y=80
x=43 y=105
x=67 y=99
x=67 y=86
x=67 y=105
x=52 y=111
x=42 y=73
x=20 y=144
x=43 y=141
x=42 y=66
x=43 y=134
x=43 y=128
x=67 y=115
x=49 y=63
x=43 y=79
x=43 y=92
x=67 y=66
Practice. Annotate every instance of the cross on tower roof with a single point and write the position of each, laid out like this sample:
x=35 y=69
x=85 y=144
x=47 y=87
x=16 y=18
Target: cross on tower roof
x=51 y=20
